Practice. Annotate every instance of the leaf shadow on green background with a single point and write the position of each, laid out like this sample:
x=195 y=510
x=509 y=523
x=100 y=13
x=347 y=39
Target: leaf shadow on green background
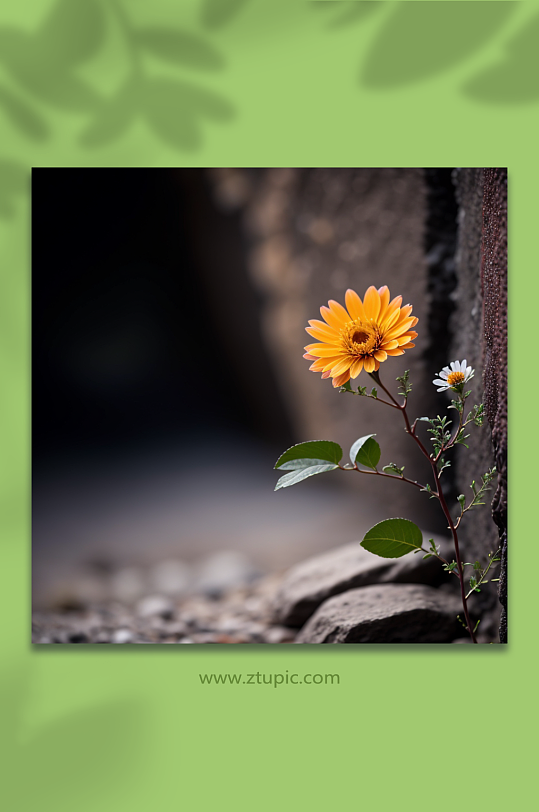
x=14 y=181
x=421 y=40
x=218 y=13
x=40 y=76
x=347 y=12
x=514 y=79
x=93 y=750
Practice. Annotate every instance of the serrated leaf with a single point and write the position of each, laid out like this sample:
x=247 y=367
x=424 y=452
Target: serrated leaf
x=297 y=476
x=365 y=451
x=315 y=450
x=393 y=538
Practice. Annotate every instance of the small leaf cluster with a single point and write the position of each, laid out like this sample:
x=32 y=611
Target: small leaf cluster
x=434 y=549
x=439 y=428
x=479 y=491
x=361 y=390
x=479 y=574
x=393 y=469
x=405 y=387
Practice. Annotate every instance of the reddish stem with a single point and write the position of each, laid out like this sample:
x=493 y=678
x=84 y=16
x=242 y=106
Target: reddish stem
x=439 y=494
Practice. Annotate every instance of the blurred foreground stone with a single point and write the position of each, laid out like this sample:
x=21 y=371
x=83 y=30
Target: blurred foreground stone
x=392 y=613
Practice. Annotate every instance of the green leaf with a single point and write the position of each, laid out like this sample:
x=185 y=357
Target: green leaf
x=297 y=465
x=314 y=450
x=393 y=538
x=346 y=387
x=365 y=451
x=393 y=469
x=297 y=476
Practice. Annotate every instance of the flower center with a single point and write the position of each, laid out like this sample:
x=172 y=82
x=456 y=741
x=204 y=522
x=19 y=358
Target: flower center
x=455 y=378
x=359 y=339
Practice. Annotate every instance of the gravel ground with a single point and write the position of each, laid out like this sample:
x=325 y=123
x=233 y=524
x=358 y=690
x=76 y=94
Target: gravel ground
x=239 y=616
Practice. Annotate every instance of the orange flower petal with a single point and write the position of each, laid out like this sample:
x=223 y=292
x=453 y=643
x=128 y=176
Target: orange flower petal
x=371 y=303
x=339 y=311
x=405 y=339
x=384 y=300
x=380 y=355
x=323 y=326
x=331 y=318
x=321 y=350
x=399 y=329
x=318 y=365
x=369 y=364
x=390 y=345
x=322 y=335
x=395 y=352
x=331 y=362
x=341 y=366
x=341 y=379
x=326 y=374
x=390 y=320
x=309 y=357
x=356 y=368
x=355 y=305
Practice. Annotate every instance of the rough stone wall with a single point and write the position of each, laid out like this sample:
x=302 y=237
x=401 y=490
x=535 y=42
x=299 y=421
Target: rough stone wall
x=313 y=234
x=494 y=284
x=479 y=328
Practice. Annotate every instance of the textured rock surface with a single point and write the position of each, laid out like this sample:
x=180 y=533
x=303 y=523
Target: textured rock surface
x=479 y=327
x=391 y=613
x=310 y=583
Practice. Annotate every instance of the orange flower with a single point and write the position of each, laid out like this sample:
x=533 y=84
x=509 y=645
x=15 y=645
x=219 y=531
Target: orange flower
x=360 y=337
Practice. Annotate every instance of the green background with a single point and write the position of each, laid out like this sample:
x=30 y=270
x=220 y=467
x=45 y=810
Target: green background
x=264 y=84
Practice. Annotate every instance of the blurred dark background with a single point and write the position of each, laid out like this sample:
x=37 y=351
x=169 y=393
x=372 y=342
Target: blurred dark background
x=169 y=309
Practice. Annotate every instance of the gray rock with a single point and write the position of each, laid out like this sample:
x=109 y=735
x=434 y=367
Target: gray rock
x=392 y=613
x=311 y=582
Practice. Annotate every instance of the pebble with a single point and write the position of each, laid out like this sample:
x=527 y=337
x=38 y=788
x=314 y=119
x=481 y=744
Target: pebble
x=122 y=636
x=155 y=605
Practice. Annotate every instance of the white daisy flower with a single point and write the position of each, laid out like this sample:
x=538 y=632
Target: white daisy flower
x=454 y=376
